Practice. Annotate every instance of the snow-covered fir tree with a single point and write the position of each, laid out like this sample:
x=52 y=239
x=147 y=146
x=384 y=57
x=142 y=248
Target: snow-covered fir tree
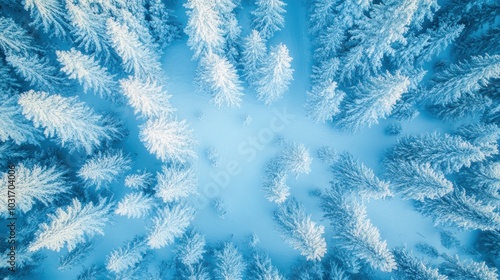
x=417 y=181
x=358 y=178
x=218 y=76
x=33 y=184
x=438 y=40
x=462 y=78
x=371 y=100
x=482 y=180
x=169 y=223
x=253 y=54
x=275 y=187
x=72 y=226
x=139 y=180
x=75 y=124
x=229 y=263
x=411 y=268
x=482 y=135
x=127 y=256
x=175 y=182
x=425 y=11
x=138 y=58
x=88 y=28
x=468 y=269
x=261 y=268
x=14 y=38
x=275 y=75
x=323 y=101
x=444 y=152
x=268 y=17
x=163 y=24
x=461 y=210
x=354 y=231
x=103 y=168
x=75 y=257
x=190 y=248
x=299 y=231
x=232 y=38
x=204 y=28
x=135 y=205
x=296 y=159
x=35 y=70
x=168 y=140
x=13 y=126
x=88 y=72
x=49 y=15
x=147 y=97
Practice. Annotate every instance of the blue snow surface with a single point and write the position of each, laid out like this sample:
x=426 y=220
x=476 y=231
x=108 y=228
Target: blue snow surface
x=450 y=234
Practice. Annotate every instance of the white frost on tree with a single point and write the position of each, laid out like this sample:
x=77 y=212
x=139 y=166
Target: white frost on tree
x=48 y=14
x=275 y=187
x=162 y=24
x=13 y=126
x=299 y=231
x=14 y=38
x=323 y=101
x=268 y=17
x=126 y=257
x=252 y=56
x=72 y=226
x=219 y=77
x=229 y=263
x=296 y=159
x=147 y=97
x=139 y=180
x=104 y=168
x=38 y=72
x=261 y=268
x=175 y=182
x=135 y=205
x=37 y=183
x=190 y=248
x=88 y=72
x=275 y=75
x=67 y=118
x=168 y=140
x=169 y=223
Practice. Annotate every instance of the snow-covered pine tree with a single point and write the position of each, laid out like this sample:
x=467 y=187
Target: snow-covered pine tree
x=268 y=17
x=163 y=24
x=14 y=38
x=139 y=180
x=219 y=77
x=204 y=28
x=482 y=180
x=375 y=35
x=484 y=136
x=104 y=168
x=358 y=178
x=38 y=72
x=252 y=56
x=295 y=158
x=438 y=40
x=443 y=151
x=48 y=14
x=354 y=230
x=466 y=77
x=299 y=231
x=75 y=257
x=417 y=181
x=169 y=223
x=275 y=75
x=147 y=97
x=70 y=120
x=37 y=183
x=88 y=72
x=13 y=125
x=461 y=210
x=465 y=106
x=72 y=226
x=371 y=100
x=411 y=268
x=168 y=140
x=321 y=15
x=88 y=28
x=175 y=182
x=325 y=71
x=261 y=268
x=190 y=248
x=425 y=10
x=138 y=58
x=229 y=263
x=468 y=269
x=323 y=101
x=135 y=205
x=275 y=187
x=127 y=256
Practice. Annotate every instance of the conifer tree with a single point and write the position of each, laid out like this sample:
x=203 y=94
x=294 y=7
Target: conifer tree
x=70 y=120
x=169 y=223
x=276 y=75
x=104 y=168
x=412 y=268
x=253 y=55
x=13 y=126
x=468 y=269
x=269 y=17
x=135 y=205
x=127 y=256
x=47 y=14
x=163 y=24
x=14 y=38
x=70 y=227
x=147 y=97
x=323 y=101
x=175 y=182
x=190 y=248
x=38 y=72
x=229 y=263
